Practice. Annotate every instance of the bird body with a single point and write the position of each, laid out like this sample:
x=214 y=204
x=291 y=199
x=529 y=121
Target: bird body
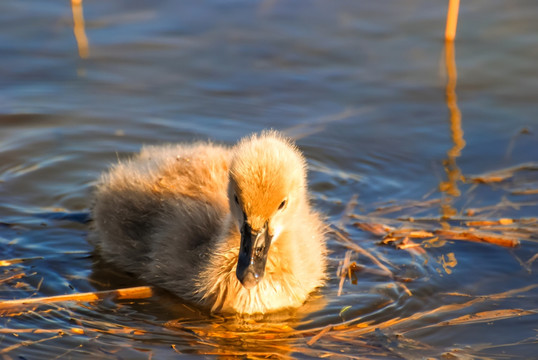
x=227 y=228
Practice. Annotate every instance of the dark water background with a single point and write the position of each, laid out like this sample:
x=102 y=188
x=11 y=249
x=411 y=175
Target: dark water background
x=361 y=84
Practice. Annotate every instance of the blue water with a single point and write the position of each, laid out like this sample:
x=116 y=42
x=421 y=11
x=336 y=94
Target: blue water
x=360 y=85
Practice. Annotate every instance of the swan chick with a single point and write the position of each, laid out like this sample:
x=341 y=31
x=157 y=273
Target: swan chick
x=231 y=229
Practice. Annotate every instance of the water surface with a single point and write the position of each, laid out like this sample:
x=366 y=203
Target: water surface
x=363 y=88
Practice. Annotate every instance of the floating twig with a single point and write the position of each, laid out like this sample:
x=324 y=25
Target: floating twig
x=503 y=221
x=524 y=192
x=342 y=271
x=478 y=236
x=319 y=335
x=352 y=203
x=392 y=208
x=531 y=260
x=351 y=245
x=139 y=292
x=14 y=277
x=503 y=174
x=374 y=228
x=9 y=262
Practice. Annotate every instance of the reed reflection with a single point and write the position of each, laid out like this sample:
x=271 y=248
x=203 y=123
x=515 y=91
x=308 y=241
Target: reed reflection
x=79 y=29
x=450 y=186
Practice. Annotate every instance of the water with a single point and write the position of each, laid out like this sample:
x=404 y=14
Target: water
x=361 y=85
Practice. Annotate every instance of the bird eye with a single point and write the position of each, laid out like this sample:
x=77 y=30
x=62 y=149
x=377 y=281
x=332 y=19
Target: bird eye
x=282 y=204
x=236 y=199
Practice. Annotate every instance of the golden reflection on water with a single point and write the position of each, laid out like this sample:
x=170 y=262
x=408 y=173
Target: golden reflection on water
x=79 y=29
x=277 y=335
x=450 y=186
x=255 y=336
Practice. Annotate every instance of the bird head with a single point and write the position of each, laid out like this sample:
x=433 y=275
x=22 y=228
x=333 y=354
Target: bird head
x=267 y=184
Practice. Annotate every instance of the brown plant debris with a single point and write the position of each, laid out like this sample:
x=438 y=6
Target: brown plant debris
x=408 y=205
x=374 y=228
x=139 y=292
x=487 y=316
x=319 y=335
x=9 y=262
x=478 y=236
x=524 y=192
x=400 y=237
x=344 y=238
x=503 y=221
x=502 y=175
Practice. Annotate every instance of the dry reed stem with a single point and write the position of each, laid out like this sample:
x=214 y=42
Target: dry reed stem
x=488 y=346
x=504 y=203
x=531 y=260
x=319 y=335
x=310 y=127
x=484 y=316
x=524 y=192
x=9 y=262
x=503 y=174
x=512 y=143
x=374 y=228
x=387 y=209
x=405 y=288
x=351 y=245
x=385 y=224
x=409 y=245
x=73 y=331
x=348 y=211
x=345 y=268
x=139 y=292
x=342 y=271
x=348 y=332
x=14 y=277
x=27 y=343
x=452 y=20
x=478 y=236
x=62 y=332
x=391 y=234
x=412 y=233
x=503 y=221
x=362 y=330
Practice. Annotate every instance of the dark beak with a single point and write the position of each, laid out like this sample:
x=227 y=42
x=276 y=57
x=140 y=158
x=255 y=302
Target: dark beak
x=252 y=255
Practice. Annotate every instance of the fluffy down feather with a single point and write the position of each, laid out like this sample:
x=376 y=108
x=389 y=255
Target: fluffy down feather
x=172 y=215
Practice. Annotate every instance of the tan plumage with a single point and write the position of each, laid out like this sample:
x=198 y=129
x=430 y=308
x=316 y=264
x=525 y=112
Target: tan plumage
x=178 y=216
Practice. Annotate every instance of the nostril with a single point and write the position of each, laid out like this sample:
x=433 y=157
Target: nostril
x=259 y=251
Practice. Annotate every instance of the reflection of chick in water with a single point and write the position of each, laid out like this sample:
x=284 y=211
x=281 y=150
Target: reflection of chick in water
x=230 y=229
x=272 y=335
x=198 y=332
